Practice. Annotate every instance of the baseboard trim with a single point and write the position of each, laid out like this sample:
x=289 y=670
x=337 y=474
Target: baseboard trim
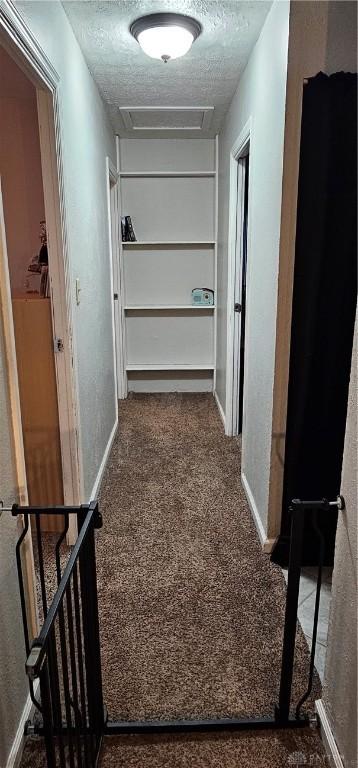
x=269 y=545
x=17 y=748
x=327 y=737
x=220 y=409
x=102 y=467
x=266 y=543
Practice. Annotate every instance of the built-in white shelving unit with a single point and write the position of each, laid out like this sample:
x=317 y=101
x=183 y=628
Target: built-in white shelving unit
x=169 y=342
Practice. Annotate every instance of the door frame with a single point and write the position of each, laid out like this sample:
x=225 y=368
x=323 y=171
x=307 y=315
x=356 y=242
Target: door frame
x=16 y=421
x=114 y=229
x=18 y=40
x=122 y=347
x=236 y=216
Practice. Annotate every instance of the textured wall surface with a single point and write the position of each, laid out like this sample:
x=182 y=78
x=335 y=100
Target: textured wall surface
x=87 y=138
x=340 y=694
x=340 y=691
x=13 y=682
x=260 y=95
x=207 y=75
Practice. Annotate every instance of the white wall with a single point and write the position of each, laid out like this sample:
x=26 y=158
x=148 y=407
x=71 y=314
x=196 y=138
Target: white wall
x=86 y=138
x=261 y=96
x=340 y=690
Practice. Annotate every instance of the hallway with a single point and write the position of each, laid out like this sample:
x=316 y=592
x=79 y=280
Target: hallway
x=170 y=366
x=191 y=610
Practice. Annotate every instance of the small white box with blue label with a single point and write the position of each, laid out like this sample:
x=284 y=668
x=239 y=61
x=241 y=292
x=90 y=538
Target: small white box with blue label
x=202 y=297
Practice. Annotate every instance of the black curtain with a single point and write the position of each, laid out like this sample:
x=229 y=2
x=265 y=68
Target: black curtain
x=324 y=303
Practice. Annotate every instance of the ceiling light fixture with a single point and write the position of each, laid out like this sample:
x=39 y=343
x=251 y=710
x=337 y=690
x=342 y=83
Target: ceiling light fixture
x=165 y=35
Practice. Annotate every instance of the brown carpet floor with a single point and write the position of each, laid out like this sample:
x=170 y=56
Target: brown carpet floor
x=259 y=749
x=191 y=610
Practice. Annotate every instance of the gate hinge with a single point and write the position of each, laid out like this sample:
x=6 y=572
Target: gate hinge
x=58 y=344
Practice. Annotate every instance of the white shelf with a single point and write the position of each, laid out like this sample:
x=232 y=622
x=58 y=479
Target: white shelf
x=155 y=307
x=166 y=174
x=166 y=243
x=170 y=193
x=170 y=367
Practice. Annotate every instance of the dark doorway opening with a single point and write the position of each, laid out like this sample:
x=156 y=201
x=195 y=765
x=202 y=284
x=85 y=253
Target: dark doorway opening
x=243 y=296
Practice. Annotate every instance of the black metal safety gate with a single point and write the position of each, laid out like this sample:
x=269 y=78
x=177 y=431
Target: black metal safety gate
x=65 y=658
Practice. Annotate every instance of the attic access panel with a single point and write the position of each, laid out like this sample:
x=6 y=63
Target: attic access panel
x=141 y=119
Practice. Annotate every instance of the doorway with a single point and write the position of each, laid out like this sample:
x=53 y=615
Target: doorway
x=323 y=308
x=25 y=237
x=238 y=263
x=114 y=239
x=240 y=294
x=52 y=300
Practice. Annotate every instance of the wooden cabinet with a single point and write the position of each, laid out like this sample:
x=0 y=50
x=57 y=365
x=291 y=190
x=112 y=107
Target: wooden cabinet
x=38 y=398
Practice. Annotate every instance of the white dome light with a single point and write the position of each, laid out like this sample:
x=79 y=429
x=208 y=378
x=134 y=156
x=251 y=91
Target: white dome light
x=165 y=35
x=165 y=42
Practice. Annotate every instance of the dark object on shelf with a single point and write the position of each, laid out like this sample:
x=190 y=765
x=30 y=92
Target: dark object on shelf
x=128 y=235
x=44 y=287
x=324 y=304
x=34 y=266
x=43 y=255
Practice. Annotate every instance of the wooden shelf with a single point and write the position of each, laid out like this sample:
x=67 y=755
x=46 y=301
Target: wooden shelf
x=166 y=243
x=155 y=307
x=169 y=367
x=166 y=174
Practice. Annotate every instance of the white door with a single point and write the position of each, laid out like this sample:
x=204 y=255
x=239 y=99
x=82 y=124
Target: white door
x=116 y=287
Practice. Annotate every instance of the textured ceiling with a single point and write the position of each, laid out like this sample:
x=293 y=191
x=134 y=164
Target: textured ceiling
x=206 y=76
